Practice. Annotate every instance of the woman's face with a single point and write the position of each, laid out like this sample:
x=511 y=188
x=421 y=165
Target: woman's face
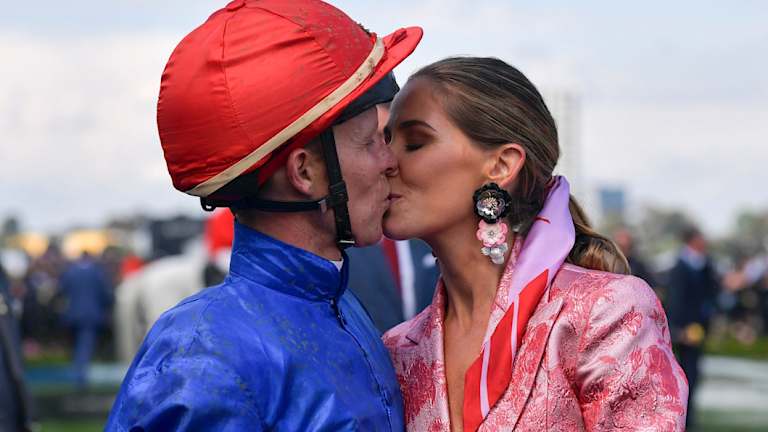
x=439 y=166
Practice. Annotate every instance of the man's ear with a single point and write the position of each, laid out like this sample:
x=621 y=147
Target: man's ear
x=506 y=162
x=305 y=171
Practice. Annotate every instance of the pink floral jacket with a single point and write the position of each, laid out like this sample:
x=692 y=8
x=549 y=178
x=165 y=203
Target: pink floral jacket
x=595 y=356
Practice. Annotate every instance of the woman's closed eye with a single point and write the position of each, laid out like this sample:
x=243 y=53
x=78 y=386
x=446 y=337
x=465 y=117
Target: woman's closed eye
x=409 y=146
x=413 y=147
x=414 y=139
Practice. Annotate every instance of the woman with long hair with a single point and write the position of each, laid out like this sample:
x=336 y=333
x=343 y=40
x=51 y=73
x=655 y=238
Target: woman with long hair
x=535 y=324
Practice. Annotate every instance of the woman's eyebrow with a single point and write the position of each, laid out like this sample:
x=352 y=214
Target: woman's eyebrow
x=413 y=123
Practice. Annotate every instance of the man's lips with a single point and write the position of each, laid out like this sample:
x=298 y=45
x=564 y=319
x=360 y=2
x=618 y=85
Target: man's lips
x=391 y=200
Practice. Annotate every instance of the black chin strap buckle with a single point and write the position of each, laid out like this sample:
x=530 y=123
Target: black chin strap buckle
x=337 y=195
x=207 y=205
x=337 y=192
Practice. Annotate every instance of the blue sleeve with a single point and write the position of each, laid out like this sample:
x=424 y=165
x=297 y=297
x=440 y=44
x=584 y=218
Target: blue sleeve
x=189 y=392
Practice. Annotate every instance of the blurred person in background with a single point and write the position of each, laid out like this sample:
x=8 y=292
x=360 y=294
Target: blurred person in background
x=147 y=292
x=759 y=273
x=739 y=300
x=756 y=277
x=130 y=264
x=14 y=401
x=394 y=280
x=625 y=240
x=42 y=303
x=262 y=108
x=87 y=293
x=693 y=289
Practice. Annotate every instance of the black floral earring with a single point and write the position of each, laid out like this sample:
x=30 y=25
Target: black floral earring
x=492 y=205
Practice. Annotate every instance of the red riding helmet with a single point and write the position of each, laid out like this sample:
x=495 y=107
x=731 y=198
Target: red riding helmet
x=260 y=78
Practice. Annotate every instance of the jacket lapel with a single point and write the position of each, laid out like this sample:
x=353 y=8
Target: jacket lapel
x=426 y=337
x=529 y=357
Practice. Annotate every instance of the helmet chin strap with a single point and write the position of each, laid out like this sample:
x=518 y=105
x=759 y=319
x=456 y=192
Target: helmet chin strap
x=337 y=192
x=336 y=199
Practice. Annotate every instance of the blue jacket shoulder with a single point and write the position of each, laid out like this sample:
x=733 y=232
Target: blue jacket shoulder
x=187 y=373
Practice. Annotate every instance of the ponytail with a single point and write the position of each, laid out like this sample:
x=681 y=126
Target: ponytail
x=591 y=249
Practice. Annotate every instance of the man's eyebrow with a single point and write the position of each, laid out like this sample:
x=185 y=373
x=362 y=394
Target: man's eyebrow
x=413 y=123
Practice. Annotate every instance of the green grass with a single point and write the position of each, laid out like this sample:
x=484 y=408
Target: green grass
x=732 y=421
x=72 y=426
x=56 y=389
x=731 y=347
x=49 y=359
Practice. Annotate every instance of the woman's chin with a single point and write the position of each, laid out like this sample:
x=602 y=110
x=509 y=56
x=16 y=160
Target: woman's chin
x=393 y=229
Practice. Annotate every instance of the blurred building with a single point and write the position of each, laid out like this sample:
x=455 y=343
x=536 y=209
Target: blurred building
x=92 y=241
x=565 y=106
x=613 y=205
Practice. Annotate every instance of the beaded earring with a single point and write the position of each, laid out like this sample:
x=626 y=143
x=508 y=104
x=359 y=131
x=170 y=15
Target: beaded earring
x=492 y=205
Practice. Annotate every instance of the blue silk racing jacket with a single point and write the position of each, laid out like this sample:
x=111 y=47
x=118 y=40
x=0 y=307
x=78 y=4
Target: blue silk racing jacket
x=280 y=345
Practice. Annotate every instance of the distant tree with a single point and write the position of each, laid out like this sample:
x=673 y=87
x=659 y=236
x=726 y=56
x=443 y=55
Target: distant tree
x=751 y=232
x=660 y=228
x=10 y=227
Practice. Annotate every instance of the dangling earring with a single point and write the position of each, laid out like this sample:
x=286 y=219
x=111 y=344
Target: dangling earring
x=492 y=205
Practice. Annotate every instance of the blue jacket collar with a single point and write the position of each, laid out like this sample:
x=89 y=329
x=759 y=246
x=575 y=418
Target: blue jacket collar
x=285 y=268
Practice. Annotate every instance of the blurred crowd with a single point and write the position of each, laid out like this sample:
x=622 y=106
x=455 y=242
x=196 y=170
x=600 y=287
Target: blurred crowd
x=726 y=295
x=101 y=303
x=704 y=301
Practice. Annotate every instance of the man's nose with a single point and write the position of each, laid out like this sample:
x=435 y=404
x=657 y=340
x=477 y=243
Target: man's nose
x=390 y=161
x=388 y=157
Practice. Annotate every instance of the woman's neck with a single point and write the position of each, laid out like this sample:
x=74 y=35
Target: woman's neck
x=470 y=278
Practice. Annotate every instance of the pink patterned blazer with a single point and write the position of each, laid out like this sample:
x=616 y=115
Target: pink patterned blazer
x=595 y=356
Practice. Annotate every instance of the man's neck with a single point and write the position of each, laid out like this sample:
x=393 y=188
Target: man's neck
x=295 y=229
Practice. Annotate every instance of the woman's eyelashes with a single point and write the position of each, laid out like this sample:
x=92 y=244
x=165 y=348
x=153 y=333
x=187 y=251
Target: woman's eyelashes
x=415 y=139
x=413 y=147
x=410 y=140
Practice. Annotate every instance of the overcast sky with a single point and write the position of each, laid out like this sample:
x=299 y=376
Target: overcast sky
x=674 y=95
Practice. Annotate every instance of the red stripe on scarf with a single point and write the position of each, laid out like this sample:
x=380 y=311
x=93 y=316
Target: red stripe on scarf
x=473 y=416
x=500 y=361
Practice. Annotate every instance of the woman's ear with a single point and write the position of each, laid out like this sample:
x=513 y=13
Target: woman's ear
x=506 y=163
x=306 y=173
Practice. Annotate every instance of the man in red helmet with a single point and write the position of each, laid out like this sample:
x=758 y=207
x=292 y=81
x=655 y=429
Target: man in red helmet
x=262 y=109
